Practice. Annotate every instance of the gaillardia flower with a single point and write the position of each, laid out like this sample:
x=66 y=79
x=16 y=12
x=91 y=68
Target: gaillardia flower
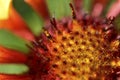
x=73 y=42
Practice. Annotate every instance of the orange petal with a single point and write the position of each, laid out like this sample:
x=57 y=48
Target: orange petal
x=10 y=56
x=14 y=77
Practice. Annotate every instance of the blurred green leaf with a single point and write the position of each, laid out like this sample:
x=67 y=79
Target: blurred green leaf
x=11 y=41
x=87 y=5
x=34 y=22
x=117 y=23
x=13 y=68
x=59 y=8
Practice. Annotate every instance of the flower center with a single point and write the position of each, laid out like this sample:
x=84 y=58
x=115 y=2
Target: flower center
x=82 y=54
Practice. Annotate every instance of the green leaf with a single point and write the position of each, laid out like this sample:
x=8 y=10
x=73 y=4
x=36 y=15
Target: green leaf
x=13 y=68
x=33 y=20
x=87 y=5
x=11 y=41
x=117 y=23
x=59 y=8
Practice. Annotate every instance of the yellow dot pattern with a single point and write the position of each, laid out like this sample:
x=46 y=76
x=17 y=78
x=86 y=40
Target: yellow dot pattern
x=83 y=54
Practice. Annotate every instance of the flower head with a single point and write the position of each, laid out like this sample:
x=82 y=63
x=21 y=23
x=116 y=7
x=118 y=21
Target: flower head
x=85 y=46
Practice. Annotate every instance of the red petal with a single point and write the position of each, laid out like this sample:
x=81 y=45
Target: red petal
x=26 y=34
x=10 y=56
x=14 y=77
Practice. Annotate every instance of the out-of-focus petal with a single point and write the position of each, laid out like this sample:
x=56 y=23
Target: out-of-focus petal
x=13 y=22
x=4 y=8
x=78 y=4
x=98 y=7
x=97 y=10
x=25 y=34
x=16 y=24
x=14 y=77
x=114 y=9
x=9 y=56
x=103 y=2
x=40 y=7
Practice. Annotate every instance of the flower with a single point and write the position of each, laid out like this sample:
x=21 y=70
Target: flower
x=85 y=46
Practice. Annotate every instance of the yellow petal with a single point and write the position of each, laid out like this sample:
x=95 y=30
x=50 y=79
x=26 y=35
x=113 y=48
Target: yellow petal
x=4 y=8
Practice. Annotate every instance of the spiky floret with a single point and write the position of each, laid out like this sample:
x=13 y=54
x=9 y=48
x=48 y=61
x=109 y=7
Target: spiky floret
x=83 y=48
